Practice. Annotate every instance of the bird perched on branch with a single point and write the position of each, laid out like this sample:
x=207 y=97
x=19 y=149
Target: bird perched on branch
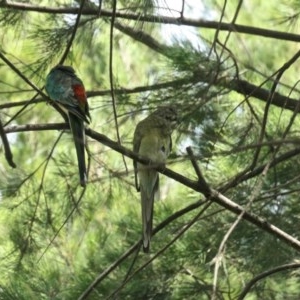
x=67 y=90
x=152 y=140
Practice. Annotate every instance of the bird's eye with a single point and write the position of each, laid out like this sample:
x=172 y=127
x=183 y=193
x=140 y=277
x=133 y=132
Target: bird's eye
x=163 y=149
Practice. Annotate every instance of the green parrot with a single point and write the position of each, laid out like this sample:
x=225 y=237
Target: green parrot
x=67 y=90
x=152 y=140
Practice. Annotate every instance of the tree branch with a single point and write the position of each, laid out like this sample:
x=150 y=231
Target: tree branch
x=111 y=76
x=269 y=102
x=216 y=196
x=266 y=274
x=157 y=19
x=157 y=254
x=6 y=146
x=70 y=42
x=240 y=86
x=201 y=179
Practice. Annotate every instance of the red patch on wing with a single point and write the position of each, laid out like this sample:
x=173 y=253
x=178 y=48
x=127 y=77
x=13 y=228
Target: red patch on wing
x=79 y=93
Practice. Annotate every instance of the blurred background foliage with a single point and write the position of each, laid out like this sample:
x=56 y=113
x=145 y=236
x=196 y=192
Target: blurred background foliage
x=57 y=238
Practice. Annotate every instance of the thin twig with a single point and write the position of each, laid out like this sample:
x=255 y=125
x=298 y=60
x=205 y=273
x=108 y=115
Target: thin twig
x=6 y=146
x=218 y=258
x=132 y=263
x=178 y=235
x=182 y=9
x=136 y=246
x=240 y=86
x=278 y=35
x=21 y=75
x=32 y=100
x=264 y=275
x=75 y=207
x=108 y=270
x=269 y=101
x=216 y=196
x=213 y=47
x=111 y=76
x=40 y=188
x=237 y=11
x=70 y=42
x=99 y=8
x=201 y=178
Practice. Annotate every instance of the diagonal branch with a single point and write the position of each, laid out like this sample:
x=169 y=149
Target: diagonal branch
x=39 y=91
x=133 y=248
x=215 y=195
x=240 y=86
x=269 y=102
x=218 y=258
x=266 y=274
x=177 y=236
x=201 y=179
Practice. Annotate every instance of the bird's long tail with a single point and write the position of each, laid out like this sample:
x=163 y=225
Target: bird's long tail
x=77 y=128
x=149 y=186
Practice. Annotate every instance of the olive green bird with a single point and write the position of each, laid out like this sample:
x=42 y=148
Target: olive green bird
x=152 y=140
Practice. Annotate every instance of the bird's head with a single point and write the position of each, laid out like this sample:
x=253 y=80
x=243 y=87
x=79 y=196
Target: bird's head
x=169 y=113
x=65 y=69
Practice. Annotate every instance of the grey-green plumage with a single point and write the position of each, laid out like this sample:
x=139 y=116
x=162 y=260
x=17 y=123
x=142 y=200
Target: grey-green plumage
x=152 y=139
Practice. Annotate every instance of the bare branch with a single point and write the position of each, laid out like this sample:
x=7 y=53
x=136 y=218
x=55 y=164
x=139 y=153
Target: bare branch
x=6 y=146
x=142 y=37
x=266 y=274
x=216 y=196
x=70 y=42
x=135 y=247
x=218 y=258
x=270 y=100
x=201 y=179
x=157 y=19
x=143 y=266
x=240 y=86
x=39 y=91
x=111 y=75
x=20 y=74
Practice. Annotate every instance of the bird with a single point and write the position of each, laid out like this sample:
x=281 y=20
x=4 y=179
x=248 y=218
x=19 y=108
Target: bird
x=67 y=90
x=152 y=140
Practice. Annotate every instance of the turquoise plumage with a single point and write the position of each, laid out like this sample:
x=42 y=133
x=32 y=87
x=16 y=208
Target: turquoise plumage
x=67 y=90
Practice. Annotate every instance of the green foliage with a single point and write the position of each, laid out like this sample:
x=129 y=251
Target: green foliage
x=57 y=238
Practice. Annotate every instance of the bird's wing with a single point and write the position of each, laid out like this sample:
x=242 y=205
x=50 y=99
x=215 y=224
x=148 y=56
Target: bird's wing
x=76 y=102
x=66 y=89
x=136 y=147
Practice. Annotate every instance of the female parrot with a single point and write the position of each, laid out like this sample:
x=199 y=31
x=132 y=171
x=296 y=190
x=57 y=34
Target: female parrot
x=152 y=139
x=67 y=90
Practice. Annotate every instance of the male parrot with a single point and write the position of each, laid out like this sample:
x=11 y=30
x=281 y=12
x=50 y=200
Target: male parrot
x=152 y=139
x=67 y=90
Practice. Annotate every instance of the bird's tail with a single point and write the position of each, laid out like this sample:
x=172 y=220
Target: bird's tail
x=77 y=128
x=148 y=191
